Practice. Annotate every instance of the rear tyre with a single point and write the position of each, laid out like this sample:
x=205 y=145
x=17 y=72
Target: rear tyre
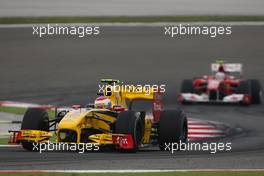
x=256 y=91
x=173 y=128
x=34 y=119
x=128 y=123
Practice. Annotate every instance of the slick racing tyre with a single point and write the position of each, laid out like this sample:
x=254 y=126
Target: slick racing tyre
x=256 y=91
x=187 y=86
x=245 y=89
x=128 y=123
x=172 y=128
x=34 y=119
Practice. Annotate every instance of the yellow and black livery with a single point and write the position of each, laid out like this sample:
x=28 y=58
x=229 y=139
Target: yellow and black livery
x=118 y=126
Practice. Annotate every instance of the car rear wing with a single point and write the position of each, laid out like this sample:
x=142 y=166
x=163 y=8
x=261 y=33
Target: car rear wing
x=228 y=68
x=124 y=95
x=110 y=81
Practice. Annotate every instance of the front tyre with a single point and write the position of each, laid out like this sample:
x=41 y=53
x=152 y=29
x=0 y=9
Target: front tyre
x=34 y=119
x=245 y=89
x=187 y=86
x=128 y=123
x=256 y=91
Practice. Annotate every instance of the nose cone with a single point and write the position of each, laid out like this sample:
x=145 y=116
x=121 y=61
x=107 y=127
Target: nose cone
x=213 y=85
x=71 y=120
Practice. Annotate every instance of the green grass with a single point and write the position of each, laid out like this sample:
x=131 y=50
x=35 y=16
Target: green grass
x=21 y=111
x=152 y=174
x=13 y=110
x=3 y=141
x=126 y=19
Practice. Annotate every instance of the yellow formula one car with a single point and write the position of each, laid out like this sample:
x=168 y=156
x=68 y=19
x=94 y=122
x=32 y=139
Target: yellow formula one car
x=110 y=121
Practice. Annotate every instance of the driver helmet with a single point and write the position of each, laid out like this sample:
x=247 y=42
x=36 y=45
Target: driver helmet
x=102 y=103
x=220 y=76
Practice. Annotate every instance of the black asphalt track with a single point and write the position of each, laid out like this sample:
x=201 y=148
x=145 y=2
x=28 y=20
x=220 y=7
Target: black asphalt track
x=63 y=70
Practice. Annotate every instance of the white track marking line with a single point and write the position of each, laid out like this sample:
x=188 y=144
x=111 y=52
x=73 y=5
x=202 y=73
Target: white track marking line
x=9 y=146
x=5 y=121
x=260 y=23
x=131 y=171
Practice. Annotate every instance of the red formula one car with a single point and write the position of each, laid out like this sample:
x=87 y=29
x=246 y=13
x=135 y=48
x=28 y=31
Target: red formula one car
x=222 y=86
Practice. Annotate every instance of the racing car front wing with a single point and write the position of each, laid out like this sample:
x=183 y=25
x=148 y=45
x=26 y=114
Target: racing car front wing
x=204 y=98
x=121 y=141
